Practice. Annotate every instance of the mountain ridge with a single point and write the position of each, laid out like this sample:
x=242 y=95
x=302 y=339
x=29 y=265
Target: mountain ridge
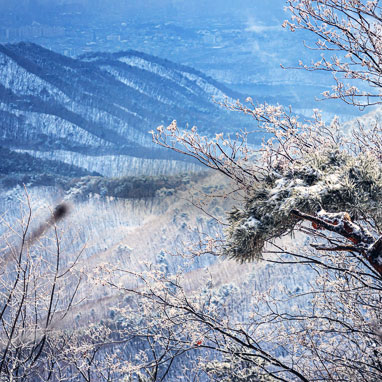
x=103 y=104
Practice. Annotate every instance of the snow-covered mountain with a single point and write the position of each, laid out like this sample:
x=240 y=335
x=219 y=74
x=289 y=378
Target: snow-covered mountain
x=72 y=117
x=95 y=112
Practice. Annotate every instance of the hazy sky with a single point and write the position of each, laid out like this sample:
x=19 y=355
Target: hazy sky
x=269 y=9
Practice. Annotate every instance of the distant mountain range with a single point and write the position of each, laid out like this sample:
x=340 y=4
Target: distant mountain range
x=95 y=112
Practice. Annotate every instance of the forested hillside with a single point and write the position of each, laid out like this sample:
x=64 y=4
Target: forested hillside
x=78 y=110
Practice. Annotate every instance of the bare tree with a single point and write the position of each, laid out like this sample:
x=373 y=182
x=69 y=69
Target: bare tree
x=37 y=290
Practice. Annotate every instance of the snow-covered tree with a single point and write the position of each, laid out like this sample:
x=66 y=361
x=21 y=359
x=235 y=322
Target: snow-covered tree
x=321 y=183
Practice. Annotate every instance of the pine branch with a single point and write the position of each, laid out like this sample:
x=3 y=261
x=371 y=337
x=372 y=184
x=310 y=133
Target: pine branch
x=348 y=248
x=375 y=255
x=346 y=229
x=366 y=245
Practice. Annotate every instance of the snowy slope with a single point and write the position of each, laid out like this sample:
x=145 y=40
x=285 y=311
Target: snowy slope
x=102 y=104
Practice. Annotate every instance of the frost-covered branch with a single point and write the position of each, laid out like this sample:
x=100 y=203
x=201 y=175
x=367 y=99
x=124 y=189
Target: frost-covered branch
x=229 y=156
x=350 y=32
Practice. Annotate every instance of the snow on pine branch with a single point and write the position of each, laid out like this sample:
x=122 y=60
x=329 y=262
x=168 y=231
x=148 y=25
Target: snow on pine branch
x=333 y=181
x=303 y=165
